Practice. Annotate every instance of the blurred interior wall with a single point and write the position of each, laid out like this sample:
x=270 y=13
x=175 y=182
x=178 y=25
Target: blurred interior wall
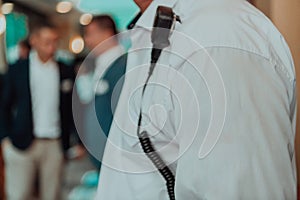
x=3 y=65
x=2 y=69
x=66 y=23
x=2 y=51
x=286 y=16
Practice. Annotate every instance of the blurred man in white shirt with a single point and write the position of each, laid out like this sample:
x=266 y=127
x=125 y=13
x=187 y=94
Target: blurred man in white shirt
x=99 y=87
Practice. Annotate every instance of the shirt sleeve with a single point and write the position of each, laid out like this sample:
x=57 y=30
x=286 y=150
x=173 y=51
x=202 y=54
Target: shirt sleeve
x=84 y=86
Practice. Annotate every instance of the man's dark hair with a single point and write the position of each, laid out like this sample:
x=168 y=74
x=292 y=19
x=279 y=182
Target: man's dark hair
x=105 y=22
x=25 y=43
x=41 y=26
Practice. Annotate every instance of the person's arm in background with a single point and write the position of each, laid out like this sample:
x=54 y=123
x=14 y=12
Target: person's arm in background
x=84 y=80
x=84 y=87
x=6 y=103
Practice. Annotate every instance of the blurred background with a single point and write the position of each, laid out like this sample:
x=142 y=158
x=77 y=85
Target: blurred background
x=20 y=16
x=17 y=19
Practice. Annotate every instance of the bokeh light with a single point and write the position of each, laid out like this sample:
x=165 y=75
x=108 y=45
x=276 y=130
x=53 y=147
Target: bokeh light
x=64 y=7
x=85 y=19
x=77 y=44
x=7 y=8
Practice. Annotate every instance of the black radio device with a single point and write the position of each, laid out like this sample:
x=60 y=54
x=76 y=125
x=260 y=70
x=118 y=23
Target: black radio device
x=164 y=22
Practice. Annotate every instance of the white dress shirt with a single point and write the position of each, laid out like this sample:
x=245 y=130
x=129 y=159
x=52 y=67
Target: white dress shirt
x=86 y=84
x=220 y=108
x=44 y=88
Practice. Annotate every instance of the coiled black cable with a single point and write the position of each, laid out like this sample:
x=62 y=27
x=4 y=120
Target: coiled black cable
x=159 y=163
x=146 y=142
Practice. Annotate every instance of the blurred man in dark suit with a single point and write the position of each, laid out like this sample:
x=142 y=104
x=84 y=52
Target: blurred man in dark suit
x=35 y=114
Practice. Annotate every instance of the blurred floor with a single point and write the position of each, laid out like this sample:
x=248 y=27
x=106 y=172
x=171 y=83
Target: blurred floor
x=73 y=171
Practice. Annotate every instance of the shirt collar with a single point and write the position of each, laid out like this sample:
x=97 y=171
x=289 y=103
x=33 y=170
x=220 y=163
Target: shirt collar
x=147 y=18
x=34 y=57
